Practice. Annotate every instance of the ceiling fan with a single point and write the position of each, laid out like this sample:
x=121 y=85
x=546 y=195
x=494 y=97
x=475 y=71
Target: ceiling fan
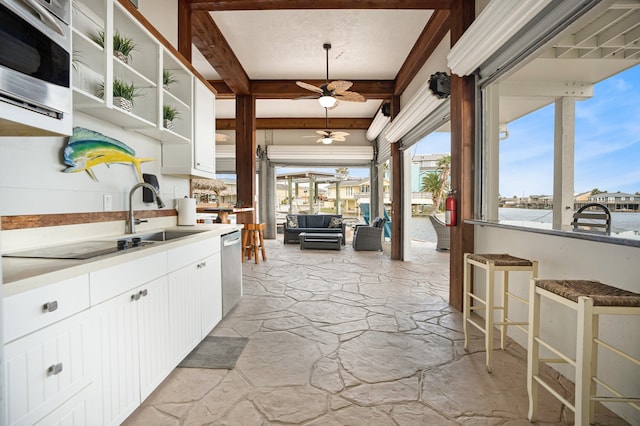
x=330 y=93
x=327 y=136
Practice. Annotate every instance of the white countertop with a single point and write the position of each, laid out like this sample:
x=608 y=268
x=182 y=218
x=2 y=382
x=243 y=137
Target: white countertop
x=22 y=274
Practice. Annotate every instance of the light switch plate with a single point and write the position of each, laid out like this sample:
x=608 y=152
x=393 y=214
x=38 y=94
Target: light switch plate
x=107 y=202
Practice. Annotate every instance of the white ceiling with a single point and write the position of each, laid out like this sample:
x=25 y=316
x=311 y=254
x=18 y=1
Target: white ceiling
x=287 y=45
x=373 y=44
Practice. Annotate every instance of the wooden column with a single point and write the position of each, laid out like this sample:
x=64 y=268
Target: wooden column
x=184 y=29
x=396 y=202
x=462 y=155
x=396 y=189
x=246 y=154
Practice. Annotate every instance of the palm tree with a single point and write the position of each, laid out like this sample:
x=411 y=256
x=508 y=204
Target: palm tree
x=438 y=185
x=431 y=183
x=342 y=172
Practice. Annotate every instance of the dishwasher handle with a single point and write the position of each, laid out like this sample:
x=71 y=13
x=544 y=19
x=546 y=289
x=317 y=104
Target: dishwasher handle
x=227 y=243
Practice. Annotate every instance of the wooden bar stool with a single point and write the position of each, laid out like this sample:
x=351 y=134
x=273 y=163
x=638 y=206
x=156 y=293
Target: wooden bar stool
x=589 y=299
x=253 y=242
x=492 y=263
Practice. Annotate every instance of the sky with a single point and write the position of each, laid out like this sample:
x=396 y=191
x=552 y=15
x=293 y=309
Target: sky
x=607 y=144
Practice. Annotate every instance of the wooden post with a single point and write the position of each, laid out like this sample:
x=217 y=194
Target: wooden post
x=246 y=155
x=462 y=156
x=396 y=190
x=184 y=28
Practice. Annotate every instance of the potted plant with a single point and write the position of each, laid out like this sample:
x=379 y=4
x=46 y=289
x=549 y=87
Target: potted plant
x=168 y=78
x=123 y=94
x=169 y=114
x=122 y=46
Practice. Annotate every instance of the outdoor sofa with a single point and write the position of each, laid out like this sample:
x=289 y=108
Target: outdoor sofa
x=312 y=223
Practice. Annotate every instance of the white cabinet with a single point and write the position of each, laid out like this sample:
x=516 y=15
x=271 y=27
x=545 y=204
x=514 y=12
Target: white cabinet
x=195 y=293
x=97 y=69
x=48 y=368
x=184 y=312
x=31 y=310
x=211 y=293
x=197 y=159
x=204 y=141
x=112 y=337
x=133 y=345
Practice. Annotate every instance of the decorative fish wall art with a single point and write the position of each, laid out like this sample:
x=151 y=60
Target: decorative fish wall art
x=88 y=148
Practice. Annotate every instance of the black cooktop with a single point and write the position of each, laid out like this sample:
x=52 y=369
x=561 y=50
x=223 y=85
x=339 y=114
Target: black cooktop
x=79 y=250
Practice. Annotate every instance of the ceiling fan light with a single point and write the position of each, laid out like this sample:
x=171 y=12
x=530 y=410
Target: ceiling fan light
x=327 y=140
x=327 y=101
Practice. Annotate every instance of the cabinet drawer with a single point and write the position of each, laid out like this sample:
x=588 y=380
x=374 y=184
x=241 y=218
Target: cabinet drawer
x=35 y=309
x=46 y=368
x=182 y=256
x=110 y=282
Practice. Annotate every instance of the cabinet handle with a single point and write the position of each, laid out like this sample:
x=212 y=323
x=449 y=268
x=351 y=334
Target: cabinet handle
x=135 y=296
x=50 y=306
x=144 y=292
x=201 y=265
x=55 y=369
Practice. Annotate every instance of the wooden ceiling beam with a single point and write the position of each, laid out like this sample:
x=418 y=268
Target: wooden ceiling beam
x=433 y=33
x=220 y=5
x=292 y=123
x=211 y=43
x=288 y=89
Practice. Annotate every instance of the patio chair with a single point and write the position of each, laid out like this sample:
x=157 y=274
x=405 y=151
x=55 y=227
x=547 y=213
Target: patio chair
x=442 y=232
x=369 y=237
x=593 y=217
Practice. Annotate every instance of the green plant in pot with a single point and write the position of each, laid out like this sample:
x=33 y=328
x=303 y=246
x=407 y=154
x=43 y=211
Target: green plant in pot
x=123 y=94
x=122 y=46
x=168 y=78
x=169 y=114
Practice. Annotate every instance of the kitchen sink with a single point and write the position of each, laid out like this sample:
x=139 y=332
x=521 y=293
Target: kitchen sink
x=167 y=235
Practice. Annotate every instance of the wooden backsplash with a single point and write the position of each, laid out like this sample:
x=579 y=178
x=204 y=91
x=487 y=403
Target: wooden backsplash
x=43 y=220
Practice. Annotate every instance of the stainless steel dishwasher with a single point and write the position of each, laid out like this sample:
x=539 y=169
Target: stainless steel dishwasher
x=231 y=270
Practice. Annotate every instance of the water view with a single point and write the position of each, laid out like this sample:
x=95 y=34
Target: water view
x=422 y=230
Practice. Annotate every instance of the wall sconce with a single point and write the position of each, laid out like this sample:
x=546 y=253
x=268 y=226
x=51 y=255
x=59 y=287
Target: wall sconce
x=440 y=85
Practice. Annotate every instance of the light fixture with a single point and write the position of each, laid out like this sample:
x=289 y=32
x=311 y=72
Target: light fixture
x=440 y=85
x=327 y=101
x=327 y=140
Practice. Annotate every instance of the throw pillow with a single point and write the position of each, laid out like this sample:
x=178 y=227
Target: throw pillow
x=292 y=221
x=335 y=222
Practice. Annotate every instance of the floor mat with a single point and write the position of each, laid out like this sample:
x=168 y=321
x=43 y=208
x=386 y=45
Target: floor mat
x=216 y=352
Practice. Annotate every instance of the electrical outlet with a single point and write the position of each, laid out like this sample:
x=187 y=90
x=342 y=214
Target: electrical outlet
x=107 y=202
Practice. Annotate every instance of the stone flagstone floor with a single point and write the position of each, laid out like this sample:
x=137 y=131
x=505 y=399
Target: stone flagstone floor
x=351 y=338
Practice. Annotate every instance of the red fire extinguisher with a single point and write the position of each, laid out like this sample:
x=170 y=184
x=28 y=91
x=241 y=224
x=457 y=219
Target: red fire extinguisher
x=451 y=210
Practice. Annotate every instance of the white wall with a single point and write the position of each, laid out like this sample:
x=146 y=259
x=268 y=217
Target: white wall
x=32 y=179
x=570 y=258
x=163 y=15
x=436 y=62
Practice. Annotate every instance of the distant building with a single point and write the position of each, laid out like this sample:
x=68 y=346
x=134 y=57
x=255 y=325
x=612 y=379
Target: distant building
x=617 y=201
x=421 y=165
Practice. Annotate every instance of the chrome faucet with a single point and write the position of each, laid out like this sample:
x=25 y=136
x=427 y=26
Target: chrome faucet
x=131 y=221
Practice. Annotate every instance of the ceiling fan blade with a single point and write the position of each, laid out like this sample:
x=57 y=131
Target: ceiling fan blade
x=221 y=138
x=339 y=86
x=339 y=134
x=350 y=97
x=309 y=86
x=338 y=138
x=323 y=133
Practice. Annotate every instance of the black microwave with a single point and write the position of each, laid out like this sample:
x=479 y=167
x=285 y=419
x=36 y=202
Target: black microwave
x=35 y=55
